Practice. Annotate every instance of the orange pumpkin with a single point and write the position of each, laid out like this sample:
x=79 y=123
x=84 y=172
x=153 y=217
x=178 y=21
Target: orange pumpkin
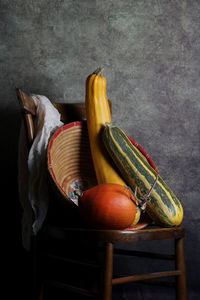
x=108 y=206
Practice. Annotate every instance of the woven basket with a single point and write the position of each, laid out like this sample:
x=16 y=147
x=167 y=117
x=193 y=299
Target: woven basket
x=69 y=160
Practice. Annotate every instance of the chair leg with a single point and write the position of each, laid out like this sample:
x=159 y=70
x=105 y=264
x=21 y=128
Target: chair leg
x=181 y=289
x=107 y=272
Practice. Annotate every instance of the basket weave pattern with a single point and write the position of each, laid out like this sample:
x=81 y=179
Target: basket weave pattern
x=69 y=160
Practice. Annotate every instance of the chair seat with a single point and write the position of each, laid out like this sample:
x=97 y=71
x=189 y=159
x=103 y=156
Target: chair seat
x=112 y=236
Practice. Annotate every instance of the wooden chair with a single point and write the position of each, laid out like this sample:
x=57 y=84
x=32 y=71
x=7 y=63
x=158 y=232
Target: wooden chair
x=101 y=241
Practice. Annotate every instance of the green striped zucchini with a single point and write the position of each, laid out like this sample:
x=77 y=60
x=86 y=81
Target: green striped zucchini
x=164 y=207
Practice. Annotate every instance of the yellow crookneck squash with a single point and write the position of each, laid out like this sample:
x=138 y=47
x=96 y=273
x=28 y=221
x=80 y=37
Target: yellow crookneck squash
x=97 y=114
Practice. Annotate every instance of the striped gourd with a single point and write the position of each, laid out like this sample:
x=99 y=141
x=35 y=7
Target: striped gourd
x=164 y=207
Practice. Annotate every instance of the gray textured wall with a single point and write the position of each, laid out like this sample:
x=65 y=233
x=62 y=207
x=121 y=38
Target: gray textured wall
x=150 y=52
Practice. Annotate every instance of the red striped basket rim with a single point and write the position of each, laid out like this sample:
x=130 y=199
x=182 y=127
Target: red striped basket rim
x=61 y=129
x=150 y=161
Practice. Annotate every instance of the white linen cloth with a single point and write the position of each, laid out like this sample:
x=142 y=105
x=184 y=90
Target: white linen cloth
x=32 y=176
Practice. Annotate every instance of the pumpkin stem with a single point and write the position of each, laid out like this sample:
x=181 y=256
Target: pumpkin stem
x=99 y=71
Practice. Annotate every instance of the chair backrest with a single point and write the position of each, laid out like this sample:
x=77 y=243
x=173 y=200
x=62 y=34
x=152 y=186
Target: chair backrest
x=69 y=112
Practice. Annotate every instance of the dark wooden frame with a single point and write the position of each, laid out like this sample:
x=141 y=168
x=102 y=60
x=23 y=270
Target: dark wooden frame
x=108 y=238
